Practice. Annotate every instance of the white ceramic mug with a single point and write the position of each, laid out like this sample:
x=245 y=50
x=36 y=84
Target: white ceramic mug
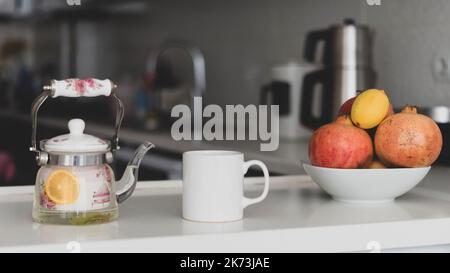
x=213 y=185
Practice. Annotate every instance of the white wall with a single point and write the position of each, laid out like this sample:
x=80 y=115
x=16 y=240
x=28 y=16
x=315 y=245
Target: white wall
x=409 y=33
x=241 y=39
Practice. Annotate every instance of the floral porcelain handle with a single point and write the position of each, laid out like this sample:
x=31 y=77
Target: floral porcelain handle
x=81 y=88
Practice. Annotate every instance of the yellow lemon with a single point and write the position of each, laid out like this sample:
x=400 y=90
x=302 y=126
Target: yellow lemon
x=62 y=187
x=370 y=108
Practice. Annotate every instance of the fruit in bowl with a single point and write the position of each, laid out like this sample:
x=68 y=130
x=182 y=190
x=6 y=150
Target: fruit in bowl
x=408 y=139
x=340 y=145
x=370 y=108
x=375 y=164
x=368 y=99
x=371 y=154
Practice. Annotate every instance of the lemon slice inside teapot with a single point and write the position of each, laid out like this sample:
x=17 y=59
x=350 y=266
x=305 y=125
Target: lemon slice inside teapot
x=62 y=187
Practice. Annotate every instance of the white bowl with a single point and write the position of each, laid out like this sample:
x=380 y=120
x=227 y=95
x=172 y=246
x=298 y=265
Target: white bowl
x=366 y=185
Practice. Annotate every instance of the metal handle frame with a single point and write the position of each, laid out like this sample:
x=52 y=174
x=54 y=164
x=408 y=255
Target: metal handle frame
x=48 y=92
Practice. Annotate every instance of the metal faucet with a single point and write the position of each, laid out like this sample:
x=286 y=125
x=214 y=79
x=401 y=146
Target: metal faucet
x=198 y=63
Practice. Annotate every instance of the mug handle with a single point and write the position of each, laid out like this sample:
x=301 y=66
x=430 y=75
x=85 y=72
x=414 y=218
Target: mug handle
x=249 y=201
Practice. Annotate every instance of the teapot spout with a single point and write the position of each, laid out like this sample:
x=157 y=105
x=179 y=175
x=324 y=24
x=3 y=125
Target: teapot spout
x=127 y=184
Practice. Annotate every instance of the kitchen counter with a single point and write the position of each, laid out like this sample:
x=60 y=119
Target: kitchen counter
x=285 y=160
x=296 y=217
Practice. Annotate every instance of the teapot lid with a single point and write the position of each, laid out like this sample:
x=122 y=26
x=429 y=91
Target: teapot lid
x=76 y=141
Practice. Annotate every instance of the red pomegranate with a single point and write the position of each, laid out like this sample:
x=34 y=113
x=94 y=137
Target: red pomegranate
x=346 y=107
x=408 y=139
x=340 y=145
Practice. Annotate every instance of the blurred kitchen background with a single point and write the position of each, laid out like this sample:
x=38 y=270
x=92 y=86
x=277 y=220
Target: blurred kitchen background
x=243 y=51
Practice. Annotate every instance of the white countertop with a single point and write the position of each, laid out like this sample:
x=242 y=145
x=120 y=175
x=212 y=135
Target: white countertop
x=295 y=217
x=285 y=160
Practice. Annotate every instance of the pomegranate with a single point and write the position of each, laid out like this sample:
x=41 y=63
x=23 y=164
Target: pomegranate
x=340 y=145
x=346 y=107
x=408 y=139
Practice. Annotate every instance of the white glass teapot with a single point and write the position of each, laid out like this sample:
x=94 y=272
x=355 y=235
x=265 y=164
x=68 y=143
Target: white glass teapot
x=75 y=185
